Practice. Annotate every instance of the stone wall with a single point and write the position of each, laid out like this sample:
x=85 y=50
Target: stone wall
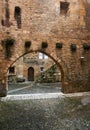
x=42 y=21
x=87 y=16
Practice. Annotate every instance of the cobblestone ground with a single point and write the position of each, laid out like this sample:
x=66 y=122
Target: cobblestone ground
x=27 y=88
x=67 y=113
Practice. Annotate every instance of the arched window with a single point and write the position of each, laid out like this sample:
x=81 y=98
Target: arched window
x=17 y=16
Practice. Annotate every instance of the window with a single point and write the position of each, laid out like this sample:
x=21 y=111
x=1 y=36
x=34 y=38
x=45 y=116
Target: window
x=17 y=16
x=64 y=7
x=40 y=55
x=7 y=13
x=12 y=69
x=6 y=22
x=3 y=22
x=45 y=57
x=41 y=69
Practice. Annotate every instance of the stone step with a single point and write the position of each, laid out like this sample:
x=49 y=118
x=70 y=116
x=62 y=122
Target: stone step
x=32 y=96
x=44 y=96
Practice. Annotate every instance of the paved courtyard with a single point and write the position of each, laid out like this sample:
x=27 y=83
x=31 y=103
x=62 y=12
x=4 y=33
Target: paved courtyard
x=67 y=113
x=31 y=87
x=48 y=111
x=44 y=107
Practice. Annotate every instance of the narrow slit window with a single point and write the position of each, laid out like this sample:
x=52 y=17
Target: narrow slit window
x=6 y=22
x=3 y=22
x=17 y=16
x=64 y=7
x=40 y=55
x=7 y=13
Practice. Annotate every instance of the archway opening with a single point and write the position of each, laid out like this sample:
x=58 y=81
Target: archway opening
x=34 y=72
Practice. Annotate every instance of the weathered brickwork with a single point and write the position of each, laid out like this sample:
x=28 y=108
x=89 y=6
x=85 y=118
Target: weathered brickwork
x=42 y=21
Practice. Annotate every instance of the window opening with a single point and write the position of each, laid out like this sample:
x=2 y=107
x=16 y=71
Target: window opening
x=45 y=57
x=17 y=16
x=12 y=70
x=6 y=22
x=7 y=13
x=64 y=7
x=40 y=55
x=3 y=22
x=41 y=69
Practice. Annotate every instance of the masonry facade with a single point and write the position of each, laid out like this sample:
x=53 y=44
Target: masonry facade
x=58 y=28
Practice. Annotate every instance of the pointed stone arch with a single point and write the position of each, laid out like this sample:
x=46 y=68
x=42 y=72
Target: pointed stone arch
x=57 y=61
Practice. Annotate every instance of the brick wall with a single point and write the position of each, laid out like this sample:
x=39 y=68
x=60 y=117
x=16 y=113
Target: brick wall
x=41 y=21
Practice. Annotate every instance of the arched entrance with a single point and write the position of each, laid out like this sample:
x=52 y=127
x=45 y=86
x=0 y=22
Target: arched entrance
x=30 y=74
x=44 y=70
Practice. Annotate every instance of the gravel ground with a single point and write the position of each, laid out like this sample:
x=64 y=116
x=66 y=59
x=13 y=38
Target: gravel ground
x=69 y=113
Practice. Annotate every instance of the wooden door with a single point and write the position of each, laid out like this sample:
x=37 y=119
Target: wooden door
x=30 y=74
